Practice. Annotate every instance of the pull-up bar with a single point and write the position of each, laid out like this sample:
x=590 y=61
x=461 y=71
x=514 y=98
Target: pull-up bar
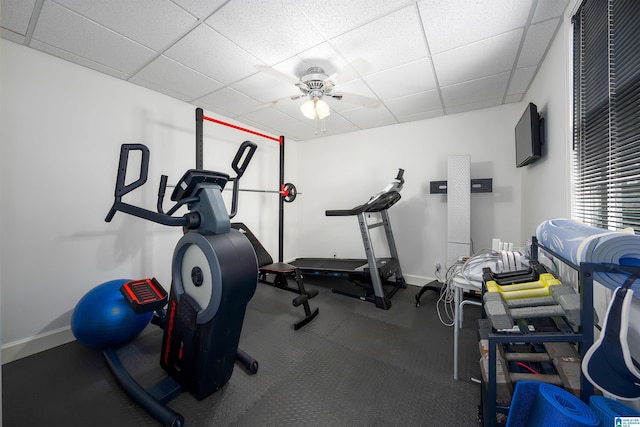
x=285 y=191
x=211 y=119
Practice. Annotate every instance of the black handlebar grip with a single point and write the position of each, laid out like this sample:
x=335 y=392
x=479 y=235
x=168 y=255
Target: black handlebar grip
x=121 y=188
x=247 y=157
x=163 y=185
x=110 y=215
x=161 y=190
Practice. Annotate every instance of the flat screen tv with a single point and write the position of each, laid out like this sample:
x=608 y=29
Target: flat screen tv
x=529 y=132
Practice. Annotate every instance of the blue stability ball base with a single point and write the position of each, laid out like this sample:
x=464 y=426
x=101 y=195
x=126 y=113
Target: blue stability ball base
x=102 y=318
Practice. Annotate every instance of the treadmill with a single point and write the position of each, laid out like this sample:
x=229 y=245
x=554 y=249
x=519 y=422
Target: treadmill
x=372 y=274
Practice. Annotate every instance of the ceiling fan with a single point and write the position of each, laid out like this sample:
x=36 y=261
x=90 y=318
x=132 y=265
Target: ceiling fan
x=316 y=84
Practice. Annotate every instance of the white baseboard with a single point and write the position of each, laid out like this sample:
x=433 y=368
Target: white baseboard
x=417 y=280
x=26 y=347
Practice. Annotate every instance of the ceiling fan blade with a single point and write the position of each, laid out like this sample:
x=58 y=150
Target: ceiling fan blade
x=350 y=71
x=277 y=101
x=364 y=101
x=303 y=87
x=277 y=74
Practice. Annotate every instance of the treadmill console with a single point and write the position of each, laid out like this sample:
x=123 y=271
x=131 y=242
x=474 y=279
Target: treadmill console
x=388 y=197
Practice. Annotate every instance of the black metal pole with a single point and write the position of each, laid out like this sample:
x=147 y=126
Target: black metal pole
x=199 y=143
x=281 y=212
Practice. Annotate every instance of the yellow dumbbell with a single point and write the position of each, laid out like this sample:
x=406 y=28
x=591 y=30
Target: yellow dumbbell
x=539 y=288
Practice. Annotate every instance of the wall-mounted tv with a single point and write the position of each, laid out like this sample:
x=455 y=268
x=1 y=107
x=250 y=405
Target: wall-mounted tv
x=529 y=140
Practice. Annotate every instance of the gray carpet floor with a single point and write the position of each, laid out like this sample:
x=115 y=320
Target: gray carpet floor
x=354 y=365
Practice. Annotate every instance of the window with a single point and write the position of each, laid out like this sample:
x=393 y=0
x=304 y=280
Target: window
x=606 y=121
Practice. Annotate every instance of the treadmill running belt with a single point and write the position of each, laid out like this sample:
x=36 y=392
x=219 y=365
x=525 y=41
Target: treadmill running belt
x=336 y=264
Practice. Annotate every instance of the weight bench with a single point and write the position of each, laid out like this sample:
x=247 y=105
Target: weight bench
x=281 y=272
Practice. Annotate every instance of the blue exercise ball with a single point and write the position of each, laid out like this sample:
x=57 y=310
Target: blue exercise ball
x=102 y=318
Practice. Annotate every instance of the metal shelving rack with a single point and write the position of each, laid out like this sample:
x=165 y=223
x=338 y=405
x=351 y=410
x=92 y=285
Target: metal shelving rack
x=583 y=337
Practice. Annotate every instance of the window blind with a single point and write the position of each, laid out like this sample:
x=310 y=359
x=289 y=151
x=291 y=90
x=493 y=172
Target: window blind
x=606 y=113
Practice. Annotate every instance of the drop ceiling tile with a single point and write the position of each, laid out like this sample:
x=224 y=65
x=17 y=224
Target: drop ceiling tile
x=387 y=42
x=152 y=23
x=345 y=15
x=517 y=97
x=265 y=88
x=160 y=89
x=167 y=73
x=403 y=80
x=269 y=117
x=365 y=117
x=271 y=31
x=231 y=100
x=521 y=79
x=422 y=116
x=547 y=9
x=300 y=132
x=201 y=9
x=475 y=90
x=414 y=104
x=454 y=23
x=59 y=27
x=485 y=103
x=295 y=130
x=484 y=58
x=371 y=48
x=10 y=35
x=60 y=53
x=213 y=108
x=537 y=42
x=15 y=15
x=213 y=55
x=336 y=124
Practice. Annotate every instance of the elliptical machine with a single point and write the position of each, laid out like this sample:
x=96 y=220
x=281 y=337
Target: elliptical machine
x=214 y=275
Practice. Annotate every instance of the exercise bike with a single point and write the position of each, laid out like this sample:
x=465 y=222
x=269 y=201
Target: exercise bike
x=214 y=275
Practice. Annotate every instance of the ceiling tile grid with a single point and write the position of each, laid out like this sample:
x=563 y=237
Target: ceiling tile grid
x=455 y=23
x=162 y=20
x=14 y=17
x=483 y=58
x=270 y=30
x=64 y=29
x=393 y=61
x=167 y=73
x=374 y=44
x=212 y=54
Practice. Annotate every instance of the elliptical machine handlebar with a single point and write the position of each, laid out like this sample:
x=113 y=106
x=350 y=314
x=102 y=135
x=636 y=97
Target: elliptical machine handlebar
x=239 y=170
x=183 y=194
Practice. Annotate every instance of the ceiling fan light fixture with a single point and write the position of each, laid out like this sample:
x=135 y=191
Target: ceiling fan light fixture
x=315 y=109
x=322 y=109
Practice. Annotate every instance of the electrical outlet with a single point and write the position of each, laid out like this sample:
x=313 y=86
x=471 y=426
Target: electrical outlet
x=437 y=266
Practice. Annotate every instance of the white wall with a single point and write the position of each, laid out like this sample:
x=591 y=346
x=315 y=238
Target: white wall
x=546 y=183
x=343 y=171
x=62 y=126
x=61 y=131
